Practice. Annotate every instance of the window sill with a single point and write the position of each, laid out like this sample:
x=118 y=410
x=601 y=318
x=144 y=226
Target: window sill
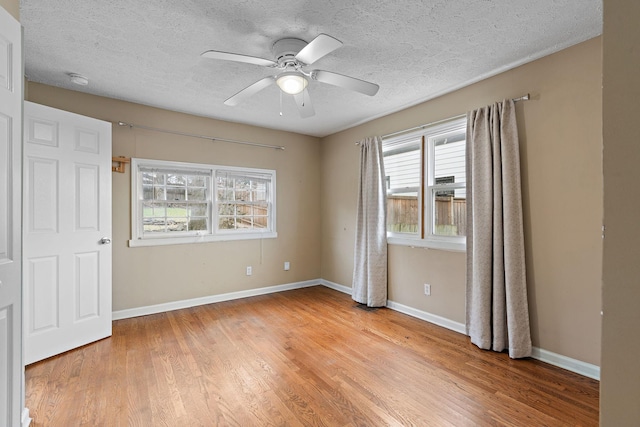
x=187 y=240
x=445 y=245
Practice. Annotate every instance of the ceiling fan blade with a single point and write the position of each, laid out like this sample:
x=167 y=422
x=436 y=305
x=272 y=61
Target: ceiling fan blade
x=345 y=81
x=214 y=54
x=303 y=101
x=249 y=91
x=317 y=48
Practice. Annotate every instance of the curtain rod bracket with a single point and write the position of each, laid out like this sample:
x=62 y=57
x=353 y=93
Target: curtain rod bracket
x=121 y=161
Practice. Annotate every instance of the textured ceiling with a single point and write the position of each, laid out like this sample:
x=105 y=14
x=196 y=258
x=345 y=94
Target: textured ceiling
x=149 y=51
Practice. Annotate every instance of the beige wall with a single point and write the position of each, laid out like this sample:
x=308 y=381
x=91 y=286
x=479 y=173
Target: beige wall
x=560 y=132
x=620 y=386
x=144 y=276
x=11 y=6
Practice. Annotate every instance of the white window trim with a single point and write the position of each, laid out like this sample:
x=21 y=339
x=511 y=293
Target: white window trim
x=137 y=239
x=425 y=201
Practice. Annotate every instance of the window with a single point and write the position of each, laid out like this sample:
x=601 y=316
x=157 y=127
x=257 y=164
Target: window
x=243 y=200
x=175 y=203
x=426 y=186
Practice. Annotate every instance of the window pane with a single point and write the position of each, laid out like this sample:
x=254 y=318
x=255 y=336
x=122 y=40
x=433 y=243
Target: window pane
x=196 y=194
x=243 y=209
x=199 y=209
x=259 y=195
x=261 y=209
x=176 y=210
x=450 y=215
x=259 y=222
x=176 y=224
x=226 y=223
x=147 y=193
x=159 y=193
x=198 y=224
x=151 y=210
x=242 y=183
x=226 y=209
x=225 y=195
x=245 y=200
x=153 y=218
x=449 y=158
x=402 y=168
x=176 y=193
x=403 y=213
x=153 y=193
x=197 y=181
x=147 y=178
x=402 y=162
x=173 y=179
x=155 y=227
x=242 y=195
x=158 y=178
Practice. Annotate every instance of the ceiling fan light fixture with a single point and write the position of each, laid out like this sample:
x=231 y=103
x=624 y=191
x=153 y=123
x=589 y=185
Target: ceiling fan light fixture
x=292 y=82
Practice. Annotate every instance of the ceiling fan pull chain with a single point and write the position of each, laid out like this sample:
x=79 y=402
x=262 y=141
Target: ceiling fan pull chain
x=280 y=103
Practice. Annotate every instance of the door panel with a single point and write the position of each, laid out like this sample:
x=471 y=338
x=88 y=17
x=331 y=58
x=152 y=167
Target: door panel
x=6 y=225
x=42 y=217
x=43 y=286
x=88 y=295
x=67 y=203
x=87 y=190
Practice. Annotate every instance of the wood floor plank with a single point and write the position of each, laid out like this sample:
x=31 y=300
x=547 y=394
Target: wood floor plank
x=308 y=357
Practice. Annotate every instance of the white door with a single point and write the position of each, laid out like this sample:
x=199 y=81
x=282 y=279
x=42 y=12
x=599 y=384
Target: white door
x=11 y=367
x=67 y=231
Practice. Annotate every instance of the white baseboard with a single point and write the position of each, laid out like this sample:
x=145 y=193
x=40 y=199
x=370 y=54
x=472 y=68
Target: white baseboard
x=423 y=315
x=564 y=362
x=573 y=365
x=428 y=317
x=176 y=305
x=26 y=420
x=335 y=286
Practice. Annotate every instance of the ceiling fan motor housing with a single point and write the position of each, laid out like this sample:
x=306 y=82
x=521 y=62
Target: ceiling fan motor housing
x=285 y=50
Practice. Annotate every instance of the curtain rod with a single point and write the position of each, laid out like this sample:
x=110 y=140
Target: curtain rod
x=522 y=98
x=193 y=135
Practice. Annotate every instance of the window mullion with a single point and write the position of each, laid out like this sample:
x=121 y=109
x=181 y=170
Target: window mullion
x=423 y=171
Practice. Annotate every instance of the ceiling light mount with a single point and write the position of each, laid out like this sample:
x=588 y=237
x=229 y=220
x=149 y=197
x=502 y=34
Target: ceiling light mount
x=78 y=79
x=292 y=82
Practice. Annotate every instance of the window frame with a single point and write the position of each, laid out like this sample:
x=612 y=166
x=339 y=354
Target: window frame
x=213 y=233
x=425 y=236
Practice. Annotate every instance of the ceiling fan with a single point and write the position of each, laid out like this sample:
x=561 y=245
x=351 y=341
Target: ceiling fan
x=292 y=56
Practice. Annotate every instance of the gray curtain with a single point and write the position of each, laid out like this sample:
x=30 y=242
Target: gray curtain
x=497 y=311
x=370 y=262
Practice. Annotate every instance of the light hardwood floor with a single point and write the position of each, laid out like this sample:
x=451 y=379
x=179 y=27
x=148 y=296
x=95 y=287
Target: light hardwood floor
x=309 y=357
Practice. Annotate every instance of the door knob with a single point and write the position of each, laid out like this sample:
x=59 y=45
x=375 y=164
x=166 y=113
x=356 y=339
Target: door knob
x=105 y=241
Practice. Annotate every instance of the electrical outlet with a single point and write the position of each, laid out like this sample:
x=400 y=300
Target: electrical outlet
x=249 y=270
x=287 y=266
x=427 y=289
